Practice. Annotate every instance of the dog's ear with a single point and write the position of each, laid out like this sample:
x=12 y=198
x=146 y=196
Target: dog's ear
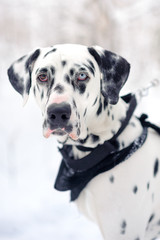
x=115 y=71
x=20 y=73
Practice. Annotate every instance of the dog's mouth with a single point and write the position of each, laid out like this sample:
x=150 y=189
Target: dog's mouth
x=47 y=132
x=58 y=131
x=60 y=121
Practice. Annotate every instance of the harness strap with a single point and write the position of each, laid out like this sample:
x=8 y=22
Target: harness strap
x=111 y=160
x=131 y=100
x=148 y=124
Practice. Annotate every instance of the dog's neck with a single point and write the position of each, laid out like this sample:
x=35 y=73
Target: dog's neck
x=104 y=126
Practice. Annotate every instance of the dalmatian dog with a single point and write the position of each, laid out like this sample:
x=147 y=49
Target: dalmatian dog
x=77 y=88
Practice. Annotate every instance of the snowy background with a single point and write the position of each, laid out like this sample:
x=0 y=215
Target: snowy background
x=29 y=206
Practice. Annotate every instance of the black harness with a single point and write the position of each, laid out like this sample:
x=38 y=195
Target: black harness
x=74 y=174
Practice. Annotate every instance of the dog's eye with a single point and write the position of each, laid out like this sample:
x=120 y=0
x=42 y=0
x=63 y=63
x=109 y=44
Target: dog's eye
x=82 y=77
x=43 y=78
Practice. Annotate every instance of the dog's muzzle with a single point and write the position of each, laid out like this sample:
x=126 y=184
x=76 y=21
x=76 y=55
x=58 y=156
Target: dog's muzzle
x=58 y=119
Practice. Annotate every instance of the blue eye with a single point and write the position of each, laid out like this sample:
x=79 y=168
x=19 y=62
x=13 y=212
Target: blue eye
x=82 y=77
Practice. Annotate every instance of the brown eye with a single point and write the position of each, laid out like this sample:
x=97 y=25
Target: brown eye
x=43 y=78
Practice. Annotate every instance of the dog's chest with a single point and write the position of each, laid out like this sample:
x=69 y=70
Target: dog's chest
x=126 y=191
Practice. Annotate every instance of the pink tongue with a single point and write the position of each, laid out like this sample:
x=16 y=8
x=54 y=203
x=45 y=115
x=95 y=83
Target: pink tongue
x=73 y=136
x=47 y=133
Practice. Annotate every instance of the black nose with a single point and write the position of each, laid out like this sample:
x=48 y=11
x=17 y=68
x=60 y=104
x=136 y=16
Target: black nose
x=58 y=115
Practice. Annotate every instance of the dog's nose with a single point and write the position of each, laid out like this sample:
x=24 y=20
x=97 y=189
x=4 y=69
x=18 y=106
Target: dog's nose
x=58 y=115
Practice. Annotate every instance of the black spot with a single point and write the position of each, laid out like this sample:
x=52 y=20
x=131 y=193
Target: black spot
x=85 y=111
x=74 y=104
x=123 y=144
x=37 y=71
x=112 y=117
x=28 y=85
x=124 y=224
x=52 y=70
x=137 y=238
x=91 y=63
x=105 y=104
x=87 y=95
x=95 y=101
x=99 y=108
x=82 y=69
x=45 y=70
x=95 y=138
x=31 y=59
x=158 y=223
x=64 y=63
x=53 y=50
x=78 y=115
x=38 y=87
x=82 y=88
x=34 y=91
x=42 y=95
x=73 y=85
x=50 y=87
x=72 y=71
x=123 y=227
x=96 y=56
x=156 y=167
x=111 y=179
x=108 y=113
x=78 y=132
x=67 y=78
x=51 y=84
x=82 y=141
x=135 y=189
x=59 y=88
x=148 y=186
x=151 y=218
x=89 y=68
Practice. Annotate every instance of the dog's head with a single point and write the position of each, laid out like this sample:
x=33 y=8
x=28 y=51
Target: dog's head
x=72 y=84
